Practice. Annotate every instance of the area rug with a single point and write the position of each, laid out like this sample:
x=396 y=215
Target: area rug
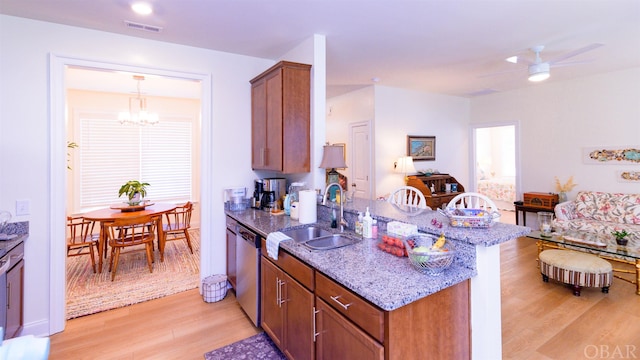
x=89 y=293
x=258 y=346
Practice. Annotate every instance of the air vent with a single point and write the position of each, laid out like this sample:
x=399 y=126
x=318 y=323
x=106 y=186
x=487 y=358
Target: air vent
x=143 y=27
x=482 y=92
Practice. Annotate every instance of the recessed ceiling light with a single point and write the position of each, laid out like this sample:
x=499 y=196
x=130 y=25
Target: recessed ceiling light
x=141 y=8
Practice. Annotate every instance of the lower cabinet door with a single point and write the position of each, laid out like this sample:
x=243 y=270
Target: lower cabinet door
x=272 y=314
x=299 y=319
x=338 y=338
x=15 y=286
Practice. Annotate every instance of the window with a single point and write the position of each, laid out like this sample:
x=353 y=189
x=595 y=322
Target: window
x=111 y=154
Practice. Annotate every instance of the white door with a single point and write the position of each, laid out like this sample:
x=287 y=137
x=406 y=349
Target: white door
x=360 y=181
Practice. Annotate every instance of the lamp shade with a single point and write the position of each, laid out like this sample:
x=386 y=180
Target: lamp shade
x=404 y=165
x=333 y=157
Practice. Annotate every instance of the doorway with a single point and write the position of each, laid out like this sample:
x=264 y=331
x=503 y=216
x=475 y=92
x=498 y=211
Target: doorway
x=495 y=167
x=57 y=171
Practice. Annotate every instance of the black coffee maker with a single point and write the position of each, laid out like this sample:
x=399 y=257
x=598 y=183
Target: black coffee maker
x=268 y=200
x=257 y=194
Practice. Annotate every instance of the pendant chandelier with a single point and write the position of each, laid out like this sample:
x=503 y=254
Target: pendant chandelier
x=138 y=113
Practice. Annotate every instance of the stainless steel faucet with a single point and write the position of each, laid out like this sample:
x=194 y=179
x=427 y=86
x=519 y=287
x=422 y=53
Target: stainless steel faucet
x=343 y=223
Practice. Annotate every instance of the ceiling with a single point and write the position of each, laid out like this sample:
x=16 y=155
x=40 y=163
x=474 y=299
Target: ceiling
x=446 y=47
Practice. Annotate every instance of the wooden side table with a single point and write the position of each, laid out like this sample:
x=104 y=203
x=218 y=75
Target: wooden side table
x=525 y=209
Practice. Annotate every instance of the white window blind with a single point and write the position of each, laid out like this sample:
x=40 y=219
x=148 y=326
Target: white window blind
x=112 y=154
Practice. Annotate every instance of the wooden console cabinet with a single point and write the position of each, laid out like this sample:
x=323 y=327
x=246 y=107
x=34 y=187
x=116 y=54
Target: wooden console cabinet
x=439 y=197
x=280 y=118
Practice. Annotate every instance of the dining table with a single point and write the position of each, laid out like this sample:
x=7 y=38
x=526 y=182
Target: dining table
x=106 y=215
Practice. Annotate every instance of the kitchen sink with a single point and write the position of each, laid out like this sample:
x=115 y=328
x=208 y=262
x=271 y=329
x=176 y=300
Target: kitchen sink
x=328 y=242
x=303 y=235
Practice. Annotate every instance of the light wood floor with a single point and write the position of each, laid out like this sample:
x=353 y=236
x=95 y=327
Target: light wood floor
x=539 y=321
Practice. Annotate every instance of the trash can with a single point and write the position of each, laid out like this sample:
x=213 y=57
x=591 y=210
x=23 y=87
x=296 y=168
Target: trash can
x=214 y=288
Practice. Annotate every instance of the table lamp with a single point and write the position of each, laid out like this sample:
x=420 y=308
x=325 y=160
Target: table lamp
x=404 y=165
x=332 y=158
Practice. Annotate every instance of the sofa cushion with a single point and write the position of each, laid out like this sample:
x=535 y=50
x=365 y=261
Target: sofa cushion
x=610 y=207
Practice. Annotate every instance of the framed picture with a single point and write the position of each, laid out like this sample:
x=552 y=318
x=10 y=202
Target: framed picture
x=421 y=147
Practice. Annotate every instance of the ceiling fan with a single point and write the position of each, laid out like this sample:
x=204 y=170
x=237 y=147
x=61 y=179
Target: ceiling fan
x=540 y=70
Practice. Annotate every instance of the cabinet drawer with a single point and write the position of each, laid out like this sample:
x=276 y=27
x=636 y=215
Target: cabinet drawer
x=291 y=265
x=363 y=314
x=16 y=254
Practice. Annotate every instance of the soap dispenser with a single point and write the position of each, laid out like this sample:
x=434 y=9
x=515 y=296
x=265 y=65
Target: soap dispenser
x=367 y=225
x=359 y=223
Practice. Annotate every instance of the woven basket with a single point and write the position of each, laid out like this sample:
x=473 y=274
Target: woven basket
x=429 y=262
x=214 y=288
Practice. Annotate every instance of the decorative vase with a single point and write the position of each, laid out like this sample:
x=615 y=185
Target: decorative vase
x=135 y=200
x=562 y=196
x=622 y=241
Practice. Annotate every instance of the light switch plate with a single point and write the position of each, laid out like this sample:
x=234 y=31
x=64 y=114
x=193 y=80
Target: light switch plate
x=22 y=207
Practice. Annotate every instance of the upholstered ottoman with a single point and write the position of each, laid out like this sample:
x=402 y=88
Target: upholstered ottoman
x=576 y=268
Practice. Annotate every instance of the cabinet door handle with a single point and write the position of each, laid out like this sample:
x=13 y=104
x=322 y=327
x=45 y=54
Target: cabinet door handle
x=9 y=296
x=280 y=301
x=315 y=329
x=344 y=306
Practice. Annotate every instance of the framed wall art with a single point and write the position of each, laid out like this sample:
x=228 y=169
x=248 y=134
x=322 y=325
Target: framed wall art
x=611 y=155
x=421 y=147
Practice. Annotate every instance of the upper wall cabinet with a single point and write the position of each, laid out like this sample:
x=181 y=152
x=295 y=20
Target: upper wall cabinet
x=280 y=118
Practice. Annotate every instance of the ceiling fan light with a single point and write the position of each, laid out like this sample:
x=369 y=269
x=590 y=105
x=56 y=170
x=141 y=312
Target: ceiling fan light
x=539 y=72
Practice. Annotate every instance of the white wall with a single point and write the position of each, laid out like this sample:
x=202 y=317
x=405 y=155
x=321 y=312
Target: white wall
x=399 y=113
x=353 y=107
x=558 y=120
x=25 y=46
x=396 y=113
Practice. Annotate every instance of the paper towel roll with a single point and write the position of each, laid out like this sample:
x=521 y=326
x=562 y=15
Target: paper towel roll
x=307 y=211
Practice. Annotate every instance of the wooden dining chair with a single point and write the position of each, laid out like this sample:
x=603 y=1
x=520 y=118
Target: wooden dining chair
x=130 y=232
x=178 y=223
x=82 y=240
x=408 y=195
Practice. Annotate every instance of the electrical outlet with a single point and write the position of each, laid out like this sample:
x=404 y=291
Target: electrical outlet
x=22 y=207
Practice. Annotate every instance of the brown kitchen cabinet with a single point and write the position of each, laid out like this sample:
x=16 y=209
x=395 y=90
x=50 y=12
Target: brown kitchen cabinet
x=287 y=312
x=338 y=338
x=15 y=293
x=439 y=197
x=434 y=327
x=280 y=118
x=231 y=251
x=310 y=316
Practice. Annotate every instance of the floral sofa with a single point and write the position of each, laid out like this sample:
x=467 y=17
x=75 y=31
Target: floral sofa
x=600 y=212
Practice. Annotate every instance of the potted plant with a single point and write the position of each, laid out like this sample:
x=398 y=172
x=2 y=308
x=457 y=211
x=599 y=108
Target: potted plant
x=620 y=237
x=135 y=191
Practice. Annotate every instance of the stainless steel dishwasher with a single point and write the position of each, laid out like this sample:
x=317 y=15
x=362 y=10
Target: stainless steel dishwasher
x=248 y=272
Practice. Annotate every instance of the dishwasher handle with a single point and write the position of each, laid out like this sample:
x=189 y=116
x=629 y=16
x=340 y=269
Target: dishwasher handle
x=248 y=236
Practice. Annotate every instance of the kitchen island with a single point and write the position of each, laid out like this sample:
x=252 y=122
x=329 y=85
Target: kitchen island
x=393 y=286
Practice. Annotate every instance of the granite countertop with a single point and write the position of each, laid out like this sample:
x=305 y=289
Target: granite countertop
x=386 y=280
x=20 y=229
